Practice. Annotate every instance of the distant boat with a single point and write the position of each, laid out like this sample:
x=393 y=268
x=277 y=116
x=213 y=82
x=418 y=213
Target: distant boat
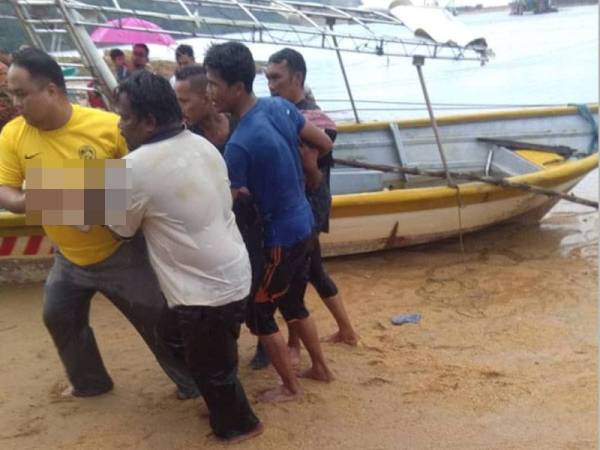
x=518 y=7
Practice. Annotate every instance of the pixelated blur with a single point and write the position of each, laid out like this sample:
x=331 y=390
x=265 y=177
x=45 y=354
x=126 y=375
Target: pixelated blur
x=78 y=192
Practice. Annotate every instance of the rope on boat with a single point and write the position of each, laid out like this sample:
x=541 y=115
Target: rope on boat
x=503 y=182
x=586 y=114
x=418 y=63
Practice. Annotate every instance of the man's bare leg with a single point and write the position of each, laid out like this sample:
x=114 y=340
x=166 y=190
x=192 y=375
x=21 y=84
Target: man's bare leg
x=310 y=338
x=345 y=333
x=278 y=354
x=294 y=345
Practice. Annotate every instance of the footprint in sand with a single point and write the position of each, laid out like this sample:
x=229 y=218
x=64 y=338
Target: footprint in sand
x=375 y=382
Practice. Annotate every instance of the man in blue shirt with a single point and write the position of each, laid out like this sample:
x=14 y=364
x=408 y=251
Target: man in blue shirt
x=263 y=157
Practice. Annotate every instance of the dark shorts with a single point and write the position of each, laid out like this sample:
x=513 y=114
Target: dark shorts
x=283 y=284
x=318 y=276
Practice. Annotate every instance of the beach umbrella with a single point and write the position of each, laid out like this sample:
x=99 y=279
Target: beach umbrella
x=114 y=34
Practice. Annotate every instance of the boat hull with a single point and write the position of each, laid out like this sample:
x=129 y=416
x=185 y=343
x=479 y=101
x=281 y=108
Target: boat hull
x=394 y=217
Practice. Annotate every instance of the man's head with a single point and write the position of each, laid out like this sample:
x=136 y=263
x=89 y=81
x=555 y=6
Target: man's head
x=230 y=70
x=184 y=55
x=147 y=106
x=286 y=73
x=117 y=56
x=191 y=91
x=37 y=86
x=140 y=56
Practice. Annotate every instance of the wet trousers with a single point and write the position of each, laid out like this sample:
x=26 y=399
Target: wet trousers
x=128 y=281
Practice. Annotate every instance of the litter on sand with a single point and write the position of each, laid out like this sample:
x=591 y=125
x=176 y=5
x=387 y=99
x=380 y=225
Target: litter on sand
x=401 y=319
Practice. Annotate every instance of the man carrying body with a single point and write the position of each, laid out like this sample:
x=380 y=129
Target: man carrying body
x=263 y=157
x=193 y=242
x=51 y=131
x=198 y=110
x=286 y=73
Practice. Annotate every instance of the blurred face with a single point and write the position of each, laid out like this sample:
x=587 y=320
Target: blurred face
x=120 y=60
x=223 y=97
x=139 y=58
x=3 y=73
x=135 y=130
x=194 y=103
x=282 y=82
x=36 y=100
x=184 y=60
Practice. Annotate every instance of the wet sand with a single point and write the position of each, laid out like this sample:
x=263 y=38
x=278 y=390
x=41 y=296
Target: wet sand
x=504 y=357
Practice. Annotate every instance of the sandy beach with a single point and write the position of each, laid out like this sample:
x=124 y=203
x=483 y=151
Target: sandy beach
x=504 y=357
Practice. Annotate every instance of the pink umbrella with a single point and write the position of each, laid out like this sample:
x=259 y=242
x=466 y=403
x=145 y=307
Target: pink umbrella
x=116 y=35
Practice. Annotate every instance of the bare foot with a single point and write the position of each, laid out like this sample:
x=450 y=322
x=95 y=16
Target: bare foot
x=318 y=373
x=243 y=437
x=279 y=394
x=70 y=393
x=294 y=353
x=67 y=393
x=342 y=338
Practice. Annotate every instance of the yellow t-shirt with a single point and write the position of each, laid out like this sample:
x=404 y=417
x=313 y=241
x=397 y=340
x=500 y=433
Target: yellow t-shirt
x=89 y=134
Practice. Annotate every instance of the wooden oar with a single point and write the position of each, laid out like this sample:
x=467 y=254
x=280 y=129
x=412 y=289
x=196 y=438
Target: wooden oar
x=467 y=176
x=562 y=150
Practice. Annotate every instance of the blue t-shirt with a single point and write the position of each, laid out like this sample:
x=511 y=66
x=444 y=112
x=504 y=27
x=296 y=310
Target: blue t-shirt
x=263 y=156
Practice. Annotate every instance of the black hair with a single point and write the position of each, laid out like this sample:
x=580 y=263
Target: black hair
x=234 y=63
x=295 y=61
x=115 y=53
x=144 y=46
x=184 y=49
x=151 y=95
x=195 y=74
x=40 y=65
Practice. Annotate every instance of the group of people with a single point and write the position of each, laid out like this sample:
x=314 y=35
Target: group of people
x=229 y=195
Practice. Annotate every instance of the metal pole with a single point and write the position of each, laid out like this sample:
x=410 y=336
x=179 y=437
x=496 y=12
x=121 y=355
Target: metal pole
x=339 y=57
x=88 y=51
x=22 y=16
x=418 y=62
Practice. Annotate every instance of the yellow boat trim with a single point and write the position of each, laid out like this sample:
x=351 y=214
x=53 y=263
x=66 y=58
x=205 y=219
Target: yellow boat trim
x=405 y=200
x=468 y=118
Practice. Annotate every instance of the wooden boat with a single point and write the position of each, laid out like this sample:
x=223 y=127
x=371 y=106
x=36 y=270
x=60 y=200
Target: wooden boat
x=401 y=211
x=372 y=209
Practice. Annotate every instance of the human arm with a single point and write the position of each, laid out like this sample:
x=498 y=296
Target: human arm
x=136 y=204
x=237 y=163
x=12 y=199
x=12 y=196
x=315 y=138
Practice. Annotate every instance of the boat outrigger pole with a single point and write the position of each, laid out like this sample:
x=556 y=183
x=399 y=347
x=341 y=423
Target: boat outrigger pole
x=418 y=62
x=331 y=22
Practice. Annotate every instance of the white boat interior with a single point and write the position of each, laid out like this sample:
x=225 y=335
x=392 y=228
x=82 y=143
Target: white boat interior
x=412 y=145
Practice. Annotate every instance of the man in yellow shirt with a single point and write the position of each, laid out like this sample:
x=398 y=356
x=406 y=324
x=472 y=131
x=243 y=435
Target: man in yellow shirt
x=89 y=259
